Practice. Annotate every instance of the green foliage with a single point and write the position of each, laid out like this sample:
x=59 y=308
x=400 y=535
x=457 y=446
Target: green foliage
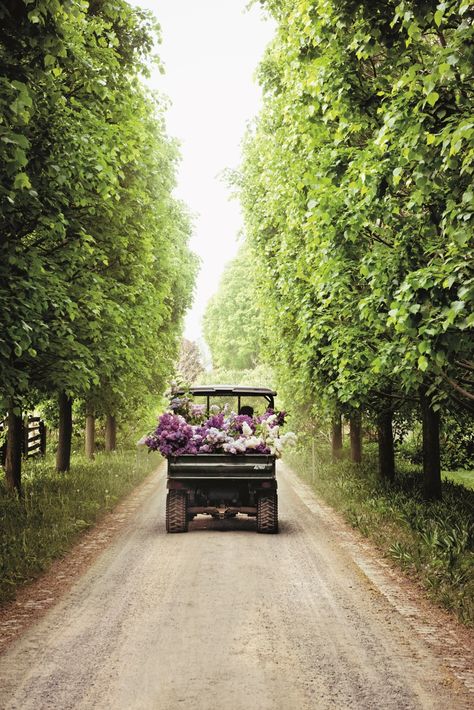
x=457 y=443
x=56 y=508
x=357 y=192
x=456 y=440
x=94 y=264
x=233 y=324
x=434 y=542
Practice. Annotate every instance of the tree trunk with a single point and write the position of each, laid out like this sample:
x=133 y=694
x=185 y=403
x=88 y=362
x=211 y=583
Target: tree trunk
x=44 y=435
x=336 y=437
x=14 y=446
x=90 y=436
x=431 y=453
x=26 y=436
x=63 y=454
x=110 y=433
x=356 y=437
x=385 y=442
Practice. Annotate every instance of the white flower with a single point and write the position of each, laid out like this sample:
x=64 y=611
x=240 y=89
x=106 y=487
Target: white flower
x=246 y=430
x=215 y=436
x=237 y=446
x=253 y=442
x=142 y=441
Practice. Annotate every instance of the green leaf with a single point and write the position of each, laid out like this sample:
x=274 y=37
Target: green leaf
x=422 y=363
x=432 y=98
x=21 y=182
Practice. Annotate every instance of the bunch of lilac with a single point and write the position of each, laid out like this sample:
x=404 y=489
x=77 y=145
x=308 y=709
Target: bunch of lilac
x=173 y=436
x=279 y=416
x=185 y=407
x=221 y=432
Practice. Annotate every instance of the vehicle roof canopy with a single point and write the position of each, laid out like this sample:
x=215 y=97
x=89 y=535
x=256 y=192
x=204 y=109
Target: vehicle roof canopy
x=241 y=390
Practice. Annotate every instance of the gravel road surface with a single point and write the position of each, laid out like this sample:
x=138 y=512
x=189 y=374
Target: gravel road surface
x=222 y=617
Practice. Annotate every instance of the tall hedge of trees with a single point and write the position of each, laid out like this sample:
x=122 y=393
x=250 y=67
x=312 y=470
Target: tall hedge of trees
x=358 y=198
x=232 y=322
x=95 y=270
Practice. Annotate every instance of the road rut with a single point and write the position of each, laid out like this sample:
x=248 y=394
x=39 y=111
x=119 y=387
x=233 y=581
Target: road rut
x=222 y=616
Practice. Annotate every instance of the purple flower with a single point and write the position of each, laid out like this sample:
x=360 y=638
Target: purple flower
x=238 y=421
x=216 y=422
x=280 y=416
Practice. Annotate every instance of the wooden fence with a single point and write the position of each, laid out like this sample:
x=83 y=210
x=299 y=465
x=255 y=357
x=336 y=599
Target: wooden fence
x=33 y=440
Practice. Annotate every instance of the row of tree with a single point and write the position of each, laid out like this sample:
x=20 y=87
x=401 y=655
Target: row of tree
x=233 y=322
x=357 y=191
x=95 y=270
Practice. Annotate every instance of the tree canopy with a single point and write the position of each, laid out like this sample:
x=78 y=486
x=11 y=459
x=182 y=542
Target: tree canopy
x=95 y=269
x=357 y=190
x=232 y=322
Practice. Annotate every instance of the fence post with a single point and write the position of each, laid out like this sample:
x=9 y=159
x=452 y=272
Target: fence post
x=42 y=431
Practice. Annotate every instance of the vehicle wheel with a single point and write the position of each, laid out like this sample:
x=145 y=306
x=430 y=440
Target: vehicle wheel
x=176 y=518
x=267 y=513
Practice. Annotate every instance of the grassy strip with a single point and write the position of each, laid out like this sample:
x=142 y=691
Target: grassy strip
x=433 y=542
x=465 y=478
x=57 y=507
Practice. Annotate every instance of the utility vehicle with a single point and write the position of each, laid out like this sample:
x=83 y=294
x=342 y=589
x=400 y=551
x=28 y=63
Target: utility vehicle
x=220 y=484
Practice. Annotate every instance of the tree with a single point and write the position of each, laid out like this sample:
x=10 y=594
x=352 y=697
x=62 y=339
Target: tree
x=93 y=244
x=189 y=365
x=356 y=191
x=233 y=325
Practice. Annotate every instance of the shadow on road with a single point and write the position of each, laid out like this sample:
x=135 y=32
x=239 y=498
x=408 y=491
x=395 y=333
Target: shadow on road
x=241 y=524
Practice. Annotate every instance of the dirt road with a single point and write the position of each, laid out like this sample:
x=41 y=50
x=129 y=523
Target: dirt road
x=223 y=617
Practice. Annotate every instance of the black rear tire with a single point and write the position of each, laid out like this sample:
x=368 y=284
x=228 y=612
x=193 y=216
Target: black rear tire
x=176 y=515
x=267 y=513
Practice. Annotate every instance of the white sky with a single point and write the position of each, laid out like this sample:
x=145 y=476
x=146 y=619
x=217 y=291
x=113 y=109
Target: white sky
x=210 y=49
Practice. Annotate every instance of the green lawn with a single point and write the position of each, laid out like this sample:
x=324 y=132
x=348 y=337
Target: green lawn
x=465 y=478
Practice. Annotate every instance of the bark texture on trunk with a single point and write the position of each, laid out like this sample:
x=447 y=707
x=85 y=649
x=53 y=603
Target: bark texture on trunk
x=110 y=433
x=431 y=451
x=63 y=454
x=356 y=437
x=90 y=436
x=14 y=447
x=386 y=449
x=336 y=437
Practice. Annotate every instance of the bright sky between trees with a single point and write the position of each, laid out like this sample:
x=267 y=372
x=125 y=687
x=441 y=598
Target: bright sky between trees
x=210 y=50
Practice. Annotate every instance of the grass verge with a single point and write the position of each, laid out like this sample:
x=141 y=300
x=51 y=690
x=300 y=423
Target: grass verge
x=432 y=542
x=57 y=507
x=465 y=478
